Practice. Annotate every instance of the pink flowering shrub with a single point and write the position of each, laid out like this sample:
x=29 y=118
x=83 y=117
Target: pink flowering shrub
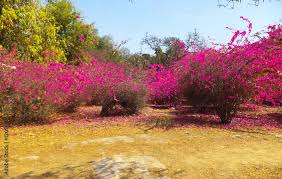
x=100 y=78
x=37 y=87
x=126 y=98
x=64 y=89
x=22 y=91
x=216 y=81
x=228 y=76
x=162 y=85
x=111 y=85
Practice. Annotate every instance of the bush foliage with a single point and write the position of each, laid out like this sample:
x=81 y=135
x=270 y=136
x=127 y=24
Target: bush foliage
x=127 y=99
x=228 y=76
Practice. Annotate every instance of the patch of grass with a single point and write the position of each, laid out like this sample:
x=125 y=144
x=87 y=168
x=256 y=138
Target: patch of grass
x=192 y=152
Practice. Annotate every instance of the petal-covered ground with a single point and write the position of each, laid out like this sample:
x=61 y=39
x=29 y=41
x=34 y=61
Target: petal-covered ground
x=158 y=143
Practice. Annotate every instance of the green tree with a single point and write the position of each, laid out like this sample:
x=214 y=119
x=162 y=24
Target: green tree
x=140 y=60
x=75 y=36
x=108 y=50
x=165 y=49
x=28 y=27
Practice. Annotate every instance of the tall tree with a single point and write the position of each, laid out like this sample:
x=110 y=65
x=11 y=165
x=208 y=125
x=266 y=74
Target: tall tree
x=27 y=26
x=165 y=49
x=75 y=36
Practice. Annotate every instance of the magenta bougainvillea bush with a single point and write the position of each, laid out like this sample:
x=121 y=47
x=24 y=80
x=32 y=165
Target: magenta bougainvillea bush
x=225 y=76
x=64 y=84
x=64 y=87
x=162 y=85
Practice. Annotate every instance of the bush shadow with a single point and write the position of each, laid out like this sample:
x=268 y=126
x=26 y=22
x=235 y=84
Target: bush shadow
x=191 y=116
x=188 y=116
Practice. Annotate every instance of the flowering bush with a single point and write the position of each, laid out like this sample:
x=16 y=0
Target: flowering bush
x=99 y=78
x=130 y=97
x=223 y=77
x=216 y=81
x=162 y=85
x=22 y=92
x=228 y=76
x=112 y=84
x=64 y=87
x=16 y=109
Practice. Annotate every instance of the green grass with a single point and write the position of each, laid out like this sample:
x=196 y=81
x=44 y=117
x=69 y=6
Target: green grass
x=192 y=152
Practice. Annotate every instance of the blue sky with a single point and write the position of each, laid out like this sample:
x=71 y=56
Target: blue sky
x=130 y=21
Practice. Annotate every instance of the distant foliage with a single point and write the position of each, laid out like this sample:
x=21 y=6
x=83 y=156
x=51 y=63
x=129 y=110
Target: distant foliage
x=55 y=32
x=31 y=30
x=108 y=50
x=165 y=49
x=74 y=35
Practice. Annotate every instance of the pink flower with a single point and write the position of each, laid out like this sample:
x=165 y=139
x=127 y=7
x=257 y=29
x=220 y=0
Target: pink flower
x=181 y=44
x=82 y=38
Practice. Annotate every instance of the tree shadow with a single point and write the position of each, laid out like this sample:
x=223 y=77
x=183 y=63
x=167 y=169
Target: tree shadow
x=248 y=131
x=15 y=123
x=67 y=171
x=188 y=116
x=31 y=175
x=80 y=114
x=155 y=106
x=184 y=116
x=276 y=116
x=107 y=170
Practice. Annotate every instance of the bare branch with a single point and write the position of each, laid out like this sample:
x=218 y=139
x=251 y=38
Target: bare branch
x=231 y=3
